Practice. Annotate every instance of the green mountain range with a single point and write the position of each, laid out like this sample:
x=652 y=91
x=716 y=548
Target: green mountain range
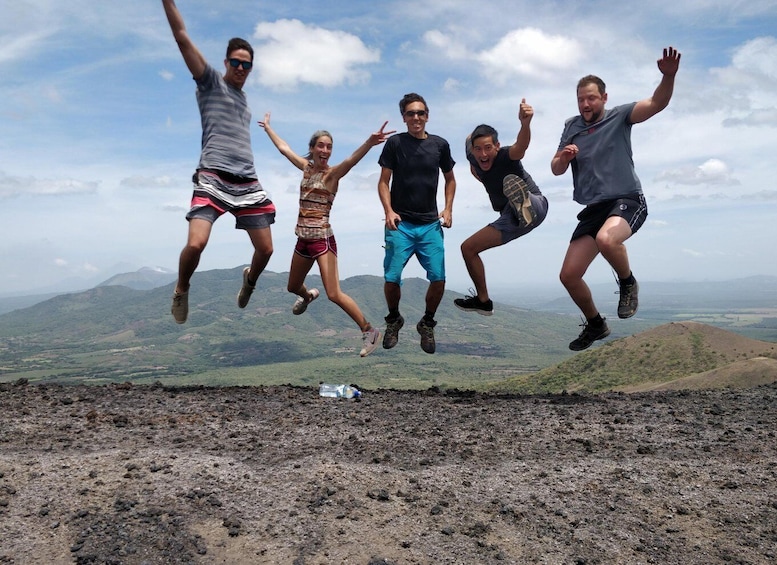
x=114 y=333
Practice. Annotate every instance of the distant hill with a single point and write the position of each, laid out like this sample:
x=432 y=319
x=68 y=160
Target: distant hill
x=143 y=279
x=686 y=354
x=116 y=333
x=739 y=374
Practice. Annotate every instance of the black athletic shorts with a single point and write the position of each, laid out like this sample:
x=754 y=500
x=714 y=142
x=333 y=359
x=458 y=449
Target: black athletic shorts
x=631 y=208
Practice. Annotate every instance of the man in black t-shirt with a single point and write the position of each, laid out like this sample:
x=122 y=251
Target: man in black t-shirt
x=513 y=194
x=410 y=168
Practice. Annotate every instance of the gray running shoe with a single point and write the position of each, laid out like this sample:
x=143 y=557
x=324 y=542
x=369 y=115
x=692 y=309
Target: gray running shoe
x=391 y=337
x=589 y=335
x=473 y=304
x=246 y=290
x=301 y=304
x=370 y=341
x=517 y=193
x=427 y=335
x=629 y=300
x=180 y=308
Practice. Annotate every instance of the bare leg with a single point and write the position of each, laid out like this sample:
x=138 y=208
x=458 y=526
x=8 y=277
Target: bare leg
x=199 y=233
x=580 y=254
x=300 y=267
x=610 y=240
x=434 y=295
x=393 y=293
x=330 y=275
x=483 y=239
x=261 y=239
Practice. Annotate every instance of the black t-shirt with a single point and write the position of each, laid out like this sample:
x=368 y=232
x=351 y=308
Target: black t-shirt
x=492 y=178
x=415 y=172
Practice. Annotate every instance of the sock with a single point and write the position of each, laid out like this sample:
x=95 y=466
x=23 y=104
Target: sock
x=392 y=315
x=429 y=318
x=628 y=280
x=596 y=320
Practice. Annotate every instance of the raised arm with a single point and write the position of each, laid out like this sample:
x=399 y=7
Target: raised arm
x=283 y=147
x=518 y=149
x=191 y=55
x=380 y=136
x=649 y=107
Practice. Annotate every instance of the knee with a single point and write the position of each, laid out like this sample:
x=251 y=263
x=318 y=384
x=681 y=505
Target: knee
x=196 y=246
x=568 y=277
x=468 y=249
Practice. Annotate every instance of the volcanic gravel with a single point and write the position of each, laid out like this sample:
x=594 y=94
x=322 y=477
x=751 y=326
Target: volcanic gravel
x=124 y=474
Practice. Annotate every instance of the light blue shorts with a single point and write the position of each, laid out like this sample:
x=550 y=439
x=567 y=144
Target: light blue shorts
x=425 y=241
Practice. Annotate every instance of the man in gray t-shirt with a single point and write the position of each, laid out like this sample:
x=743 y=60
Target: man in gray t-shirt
x=225 y=179
x=597 y=144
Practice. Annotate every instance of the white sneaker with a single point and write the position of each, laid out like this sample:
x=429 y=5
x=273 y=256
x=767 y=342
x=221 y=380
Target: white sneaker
x=370 y=340
x=301 y=304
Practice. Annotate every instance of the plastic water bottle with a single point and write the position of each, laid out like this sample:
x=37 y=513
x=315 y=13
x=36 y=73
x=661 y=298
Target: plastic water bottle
x=338 y=391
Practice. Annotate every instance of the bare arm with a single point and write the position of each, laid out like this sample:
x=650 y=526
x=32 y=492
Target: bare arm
x=281 y=145
x=649 y=107
x=339 y=171
x=191 y=55
x=384 y=193
x=518 y=149
x=450 y=192
x=562 y=158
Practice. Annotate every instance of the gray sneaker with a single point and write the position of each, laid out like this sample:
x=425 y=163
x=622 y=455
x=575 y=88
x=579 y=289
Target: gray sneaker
x=180 y=308
x=517 y=193
x=427 y=335
x=300 y=305
x=370 y=341
x=246 y=290
x=629 y=300
x=391 y=337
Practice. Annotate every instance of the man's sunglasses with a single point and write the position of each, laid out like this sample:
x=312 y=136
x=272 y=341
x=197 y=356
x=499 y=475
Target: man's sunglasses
x=235 y=63
x=411 y=113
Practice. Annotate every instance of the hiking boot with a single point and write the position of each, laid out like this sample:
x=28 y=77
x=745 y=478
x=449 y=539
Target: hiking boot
x=370 y=340
x=246 y=290
x=517 y=193
x=589 y=335
x=629 y=300
x=301 y=304
x=180 y=309
x=391 y=337
x=473 y=304
x=427 y=335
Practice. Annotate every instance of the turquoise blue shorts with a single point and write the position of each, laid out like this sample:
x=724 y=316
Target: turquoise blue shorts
x=425 y=241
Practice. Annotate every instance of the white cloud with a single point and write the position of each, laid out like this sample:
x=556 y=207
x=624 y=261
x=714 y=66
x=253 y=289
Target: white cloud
x=17 y=186
x=138 y=181
x=713 y=171
x=166 y=75
x=293 y=53
x=524 y=52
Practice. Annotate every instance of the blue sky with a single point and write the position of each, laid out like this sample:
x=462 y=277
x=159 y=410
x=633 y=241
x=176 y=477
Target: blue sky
x=99 y=130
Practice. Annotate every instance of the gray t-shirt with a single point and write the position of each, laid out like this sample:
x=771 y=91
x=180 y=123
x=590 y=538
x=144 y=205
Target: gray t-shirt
x=226 y=126
x=603 y=168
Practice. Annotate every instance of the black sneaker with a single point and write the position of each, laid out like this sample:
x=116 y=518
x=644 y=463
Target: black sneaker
x=629 y=300
x=473 y=304
x=517 y=193
x=589 y=335
x=391 y=337
x=427 y=335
